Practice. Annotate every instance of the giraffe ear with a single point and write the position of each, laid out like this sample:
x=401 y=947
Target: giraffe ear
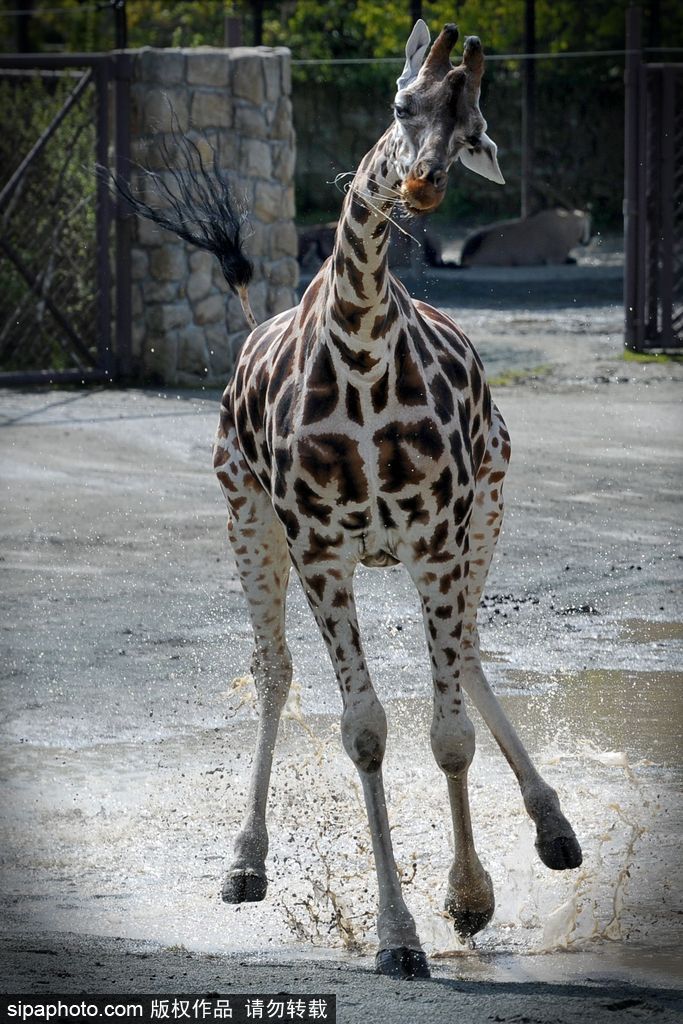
x=483 y=159
x=416 y=48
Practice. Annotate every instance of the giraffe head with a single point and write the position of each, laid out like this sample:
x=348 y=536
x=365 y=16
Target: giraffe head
x=438 y=120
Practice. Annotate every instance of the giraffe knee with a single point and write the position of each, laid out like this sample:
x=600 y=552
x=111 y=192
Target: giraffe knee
x=453 y=743
x=364 y=735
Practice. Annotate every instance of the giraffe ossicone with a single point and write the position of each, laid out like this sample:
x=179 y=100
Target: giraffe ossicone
x=358 y=427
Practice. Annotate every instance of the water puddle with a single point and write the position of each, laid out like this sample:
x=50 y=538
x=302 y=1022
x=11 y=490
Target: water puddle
x=647 y=631
x=131 y=839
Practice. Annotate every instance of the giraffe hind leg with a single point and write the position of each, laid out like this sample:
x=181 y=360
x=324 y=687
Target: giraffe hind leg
x=262 y=558
x=556 y=843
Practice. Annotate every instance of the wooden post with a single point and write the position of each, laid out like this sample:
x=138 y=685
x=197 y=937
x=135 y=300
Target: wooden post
x=528 y=106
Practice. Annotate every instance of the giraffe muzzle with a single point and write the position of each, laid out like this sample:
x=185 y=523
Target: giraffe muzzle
x=424 y=194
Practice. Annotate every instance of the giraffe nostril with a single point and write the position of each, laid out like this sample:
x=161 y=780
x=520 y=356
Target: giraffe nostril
x=436 y=176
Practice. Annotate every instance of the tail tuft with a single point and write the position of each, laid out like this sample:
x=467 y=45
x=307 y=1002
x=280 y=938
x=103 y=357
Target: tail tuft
x=200 y=207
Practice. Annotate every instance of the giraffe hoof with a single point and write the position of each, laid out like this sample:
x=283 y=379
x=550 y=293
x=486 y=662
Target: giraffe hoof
x=402 y=963
x=561 y=853
x=468 y=922
x=244 y=887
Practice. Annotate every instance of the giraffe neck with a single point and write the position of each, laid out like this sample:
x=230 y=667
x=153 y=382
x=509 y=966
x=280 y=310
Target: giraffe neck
x=360 y=300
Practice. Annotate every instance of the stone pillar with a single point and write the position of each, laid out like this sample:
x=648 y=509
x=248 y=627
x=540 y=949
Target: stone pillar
x=187 y=325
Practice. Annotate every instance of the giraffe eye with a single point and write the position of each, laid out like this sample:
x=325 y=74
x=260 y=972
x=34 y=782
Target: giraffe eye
x=401 y=111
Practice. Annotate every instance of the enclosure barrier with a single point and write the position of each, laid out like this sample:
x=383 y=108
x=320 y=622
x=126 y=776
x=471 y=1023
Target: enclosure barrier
x=60 y=296
x=653 y=199
x=86 y=292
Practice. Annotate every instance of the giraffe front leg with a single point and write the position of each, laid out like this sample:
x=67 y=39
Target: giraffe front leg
x=364 y=730
x=262 y=558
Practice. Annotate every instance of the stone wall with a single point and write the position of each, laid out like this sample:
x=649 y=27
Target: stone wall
x=187 y=324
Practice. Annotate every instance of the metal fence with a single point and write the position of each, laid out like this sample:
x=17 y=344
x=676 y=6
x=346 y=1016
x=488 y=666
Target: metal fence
x=64 y=279
x=653 y=200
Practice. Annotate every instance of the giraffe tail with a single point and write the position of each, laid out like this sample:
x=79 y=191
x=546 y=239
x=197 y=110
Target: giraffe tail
x=199 y=206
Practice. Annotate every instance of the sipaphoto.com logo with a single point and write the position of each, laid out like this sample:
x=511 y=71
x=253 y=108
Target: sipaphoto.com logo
x=59 y=1009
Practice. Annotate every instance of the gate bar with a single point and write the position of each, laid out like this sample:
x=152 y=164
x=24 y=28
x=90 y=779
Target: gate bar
x=631 y=176
x=123 y=216
x=45 y=137
x=103 y=221
x=667 y=205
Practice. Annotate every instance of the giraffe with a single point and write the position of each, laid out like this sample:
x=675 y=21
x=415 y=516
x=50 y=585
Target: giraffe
x=358 y=427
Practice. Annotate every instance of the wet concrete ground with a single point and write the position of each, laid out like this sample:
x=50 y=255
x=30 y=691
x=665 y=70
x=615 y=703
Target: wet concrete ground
x=127 y=723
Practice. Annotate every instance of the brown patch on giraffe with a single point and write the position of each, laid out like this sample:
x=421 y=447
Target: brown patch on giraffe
x=246 y=438
x=395 y=466
x=384 y=322
x=497 y=475
x=310 y=504
x=220 y=456
x=283 y=463
x=353 y=406
x=445 y=583
x=460 y=457
x=455 y=370
x=322 y=391
x=227 y=482
x=380 y=230
x=340 y=599
x=462 y=507
x=348 y=315
x=404 y=300
x=414 y=506
x=386 y=518
x=317 y=584
x=356 y=520
x=335 y=459
x=432 y=550
x=443 y=398
x=359 y=211
x=442 y=489
x=279 y=372
x=356 y=360
x=355 y=276
x=461 y=534
x=308 y=301
x=320 y=547
x=443 y=611
x=451 y=656
x=354 y=242
x=410 y=385
x=288 y=520
x=282 y=416
x=379 y=392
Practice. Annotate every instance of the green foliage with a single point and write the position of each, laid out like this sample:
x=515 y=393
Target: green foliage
x=49 y=221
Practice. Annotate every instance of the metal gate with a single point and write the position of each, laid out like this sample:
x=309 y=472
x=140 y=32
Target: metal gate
x=64 y=278
x=653 y=200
